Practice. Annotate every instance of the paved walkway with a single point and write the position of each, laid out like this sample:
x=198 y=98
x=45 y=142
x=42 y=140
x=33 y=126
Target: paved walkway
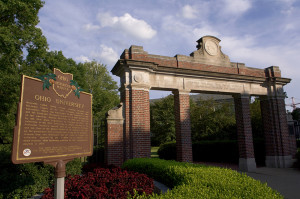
x=285 y=181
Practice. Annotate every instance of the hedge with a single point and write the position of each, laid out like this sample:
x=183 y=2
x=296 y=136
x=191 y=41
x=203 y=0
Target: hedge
x=214 y=151
x=25 y=180
x=198 y=181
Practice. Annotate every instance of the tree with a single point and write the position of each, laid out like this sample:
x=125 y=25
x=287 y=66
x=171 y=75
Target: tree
x=162 y=120
x=18 y=36
x=256 y=121
x=212 y=120
x=98 y=82
x=296 y=114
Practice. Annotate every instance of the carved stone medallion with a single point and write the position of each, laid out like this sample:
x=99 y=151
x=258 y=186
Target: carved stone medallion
x=211 y=47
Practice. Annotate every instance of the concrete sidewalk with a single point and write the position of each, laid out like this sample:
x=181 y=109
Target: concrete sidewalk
x=285 y=180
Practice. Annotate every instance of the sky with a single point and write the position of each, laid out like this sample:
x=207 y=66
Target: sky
x=259 y=33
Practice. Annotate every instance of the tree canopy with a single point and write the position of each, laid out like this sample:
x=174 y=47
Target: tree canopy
x=24 y=50
x=210 y=120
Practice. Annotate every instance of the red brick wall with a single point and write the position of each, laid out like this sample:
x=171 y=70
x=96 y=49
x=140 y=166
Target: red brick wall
x=140 y=123
x=275 y=127
x=138 y=54
x=183 y=127
x=137 y=123
x=114 y=144
x=244 y=129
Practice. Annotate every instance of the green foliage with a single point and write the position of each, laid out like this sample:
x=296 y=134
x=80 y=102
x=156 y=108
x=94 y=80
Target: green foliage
x=215 y=151
x=167 y=151
x=98 y=155
x=74 y=167
x=197 y=181
x=25 y=180
x=212 y=120
x=47 y=80
x=296 y=114
x=162 y=121
x=18 y=34
x=77 y=89
x=98 y=82
x=256 y=119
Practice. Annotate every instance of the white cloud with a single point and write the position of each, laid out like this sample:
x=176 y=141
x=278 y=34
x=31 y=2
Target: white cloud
x=236 y=7
x=107 y=55
x=91 y=27
x=82 y=58
x=130 y=25
x=205 y=30
x=189 y=12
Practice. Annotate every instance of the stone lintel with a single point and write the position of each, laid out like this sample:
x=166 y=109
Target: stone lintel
x=247 y=164
x=181 y=92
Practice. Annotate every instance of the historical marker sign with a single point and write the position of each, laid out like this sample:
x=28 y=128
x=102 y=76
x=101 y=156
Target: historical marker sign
x=54 y=120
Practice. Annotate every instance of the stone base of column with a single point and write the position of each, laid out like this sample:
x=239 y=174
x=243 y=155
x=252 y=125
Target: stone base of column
x=247 y=165
x=279 y=161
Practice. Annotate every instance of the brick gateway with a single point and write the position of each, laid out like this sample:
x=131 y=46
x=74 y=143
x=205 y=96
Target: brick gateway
x=206 y=70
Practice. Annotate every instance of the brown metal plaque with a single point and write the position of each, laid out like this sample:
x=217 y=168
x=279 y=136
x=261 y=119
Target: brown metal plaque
x=52 y=124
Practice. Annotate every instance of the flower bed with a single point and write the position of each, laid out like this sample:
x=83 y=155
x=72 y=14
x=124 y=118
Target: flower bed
x=105 y=183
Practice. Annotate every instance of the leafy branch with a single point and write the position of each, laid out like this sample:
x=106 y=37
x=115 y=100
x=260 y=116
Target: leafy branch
x=47 y=79
x=76 y=88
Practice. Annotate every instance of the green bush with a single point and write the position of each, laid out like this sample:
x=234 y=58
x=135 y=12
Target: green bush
x=198 y=181
x=25 y=180
x=167 y=151
x=98 y=155
x=214 y=151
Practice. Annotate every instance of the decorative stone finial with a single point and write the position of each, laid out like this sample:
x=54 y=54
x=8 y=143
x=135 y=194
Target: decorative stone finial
x=209 y=52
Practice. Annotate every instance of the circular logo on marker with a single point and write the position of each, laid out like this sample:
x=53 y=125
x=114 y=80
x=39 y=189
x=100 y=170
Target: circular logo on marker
x=26 y=152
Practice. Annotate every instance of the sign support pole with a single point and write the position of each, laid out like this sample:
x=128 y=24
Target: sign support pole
x=60 y=174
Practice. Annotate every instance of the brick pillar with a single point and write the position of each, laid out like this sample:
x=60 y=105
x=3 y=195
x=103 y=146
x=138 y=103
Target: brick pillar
x=140 y=124
x=114 y=137
x=244 y=133
x=137 y=142
x=126 y=100
x=183 y=126
x=278 y=153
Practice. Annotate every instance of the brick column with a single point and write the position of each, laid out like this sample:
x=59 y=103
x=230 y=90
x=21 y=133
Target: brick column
x=244 y=133
x=140 y=123
x=114 y=137
x=137 y=142
x=275 y=126
x=183 y=126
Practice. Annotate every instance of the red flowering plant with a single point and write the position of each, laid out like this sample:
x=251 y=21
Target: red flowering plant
x=105 y=183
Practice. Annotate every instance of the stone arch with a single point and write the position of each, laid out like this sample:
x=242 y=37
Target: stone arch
x=207 y=69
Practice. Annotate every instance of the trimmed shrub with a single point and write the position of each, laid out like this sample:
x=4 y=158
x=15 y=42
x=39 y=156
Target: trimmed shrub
x=167 y=151
x=98 y=155
x=105 y=183
x=198 y=181
x=214 y=151
x=25 y=180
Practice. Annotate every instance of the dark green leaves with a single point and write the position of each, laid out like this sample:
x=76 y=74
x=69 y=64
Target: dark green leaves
x=76 y=88
x=47 y=80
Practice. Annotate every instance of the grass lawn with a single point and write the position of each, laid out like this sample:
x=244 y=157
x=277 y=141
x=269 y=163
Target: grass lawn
x=154 y=152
